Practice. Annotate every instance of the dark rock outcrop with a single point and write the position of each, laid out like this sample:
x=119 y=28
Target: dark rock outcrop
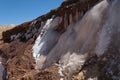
x=69 y=11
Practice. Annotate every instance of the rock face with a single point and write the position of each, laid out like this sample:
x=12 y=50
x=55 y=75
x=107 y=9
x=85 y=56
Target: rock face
x=5 y=27
x=77 y=41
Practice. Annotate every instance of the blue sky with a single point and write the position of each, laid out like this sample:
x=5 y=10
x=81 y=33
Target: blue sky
x=19 y=11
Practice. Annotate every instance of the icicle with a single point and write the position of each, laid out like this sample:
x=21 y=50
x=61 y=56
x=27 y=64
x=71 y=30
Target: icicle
x=76 y=15
x=70 y=17
x=65 y=21
x=111 y=26
x=45 y=41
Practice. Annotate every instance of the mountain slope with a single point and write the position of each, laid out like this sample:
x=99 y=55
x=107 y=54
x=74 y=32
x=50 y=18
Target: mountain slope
x=77 y=41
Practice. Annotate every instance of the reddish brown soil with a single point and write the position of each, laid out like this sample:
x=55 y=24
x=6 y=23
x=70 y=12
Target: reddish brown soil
x=18 y=60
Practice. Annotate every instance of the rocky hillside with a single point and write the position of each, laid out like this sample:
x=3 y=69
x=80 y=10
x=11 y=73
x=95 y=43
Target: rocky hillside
x=5 y=27
x=77 y=41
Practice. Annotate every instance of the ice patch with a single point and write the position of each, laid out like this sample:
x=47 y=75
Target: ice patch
x=45 y=40
x=111 y=26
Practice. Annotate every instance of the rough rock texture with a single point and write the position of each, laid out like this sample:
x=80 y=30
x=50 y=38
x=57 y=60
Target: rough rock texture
x=67 y=10
x=77 y=41
x=5 y=27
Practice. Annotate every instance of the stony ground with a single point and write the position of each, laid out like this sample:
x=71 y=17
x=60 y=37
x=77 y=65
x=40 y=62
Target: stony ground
x=21 y=66
x=18 y=60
